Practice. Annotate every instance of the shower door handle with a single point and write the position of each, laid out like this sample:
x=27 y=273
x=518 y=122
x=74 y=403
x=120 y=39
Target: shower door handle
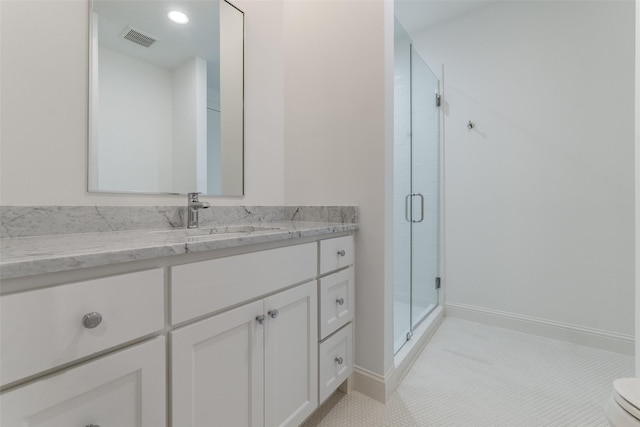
x=408 y=217
x=421 y=207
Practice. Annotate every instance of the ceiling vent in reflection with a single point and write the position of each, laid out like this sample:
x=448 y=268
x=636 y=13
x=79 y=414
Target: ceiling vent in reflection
x=138 y=36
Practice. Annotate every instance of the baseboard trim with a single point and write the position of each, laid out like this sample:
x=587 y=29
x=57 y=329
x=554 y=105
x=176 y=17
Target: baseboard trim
x=369 y=383
x=605 y=340
x=381 y=387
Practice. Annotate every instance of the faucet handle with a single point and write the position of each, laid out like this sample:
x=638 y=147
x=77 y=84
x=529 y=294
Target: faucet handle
x=193 y=196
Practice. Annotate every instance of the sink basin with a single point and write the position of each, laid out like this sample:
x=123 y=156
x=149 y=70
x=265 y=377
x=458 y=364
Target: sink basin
x=213 y=231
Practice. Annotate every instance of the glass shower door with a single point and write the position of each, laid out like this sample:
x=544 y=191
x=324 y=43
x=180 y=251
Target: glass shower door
x=425 y=185
x=416 y=189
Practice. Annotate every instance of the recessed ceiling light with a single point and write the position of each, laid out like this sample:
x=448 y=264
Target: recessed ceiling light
x=178 y=17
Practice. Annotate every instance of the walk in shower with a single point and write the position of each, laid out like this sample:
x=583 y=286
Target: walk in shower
x=416 y=189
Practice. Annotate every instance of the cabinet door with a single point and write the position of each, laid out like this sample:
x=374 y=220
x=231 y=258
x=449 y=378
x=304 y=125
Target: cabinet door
x=291 y=355
x=124 y=389
x=217 y=370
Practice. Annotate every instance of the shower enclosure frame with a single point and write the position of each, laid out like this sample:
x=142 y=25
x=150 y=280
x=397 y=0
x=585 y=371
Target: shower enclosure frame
x=424 y=259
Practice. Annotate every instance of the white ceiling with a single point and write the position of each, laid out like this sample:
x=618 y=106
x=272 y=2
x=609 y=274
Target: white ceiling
x=417 y=15
x=176 y=43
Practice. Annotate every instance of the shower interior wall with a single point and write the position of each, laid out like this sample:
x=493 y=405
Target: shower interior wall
x=540 y=194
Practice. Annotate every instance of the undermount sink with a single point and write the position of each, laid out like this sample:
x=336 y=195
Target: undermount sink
x=221 y=230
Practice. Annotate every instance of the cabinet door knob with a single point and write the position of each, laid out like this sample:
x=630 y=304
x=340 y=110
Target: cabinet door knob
x=339 y=360
x=261 y=318
x=273 y=313
x=340 y=301
x=91 y=320
x=341 y=252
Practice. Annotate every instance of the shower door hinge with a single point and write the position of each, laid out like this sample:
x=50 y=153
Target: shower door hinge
x=437 y=283
x=438 y=99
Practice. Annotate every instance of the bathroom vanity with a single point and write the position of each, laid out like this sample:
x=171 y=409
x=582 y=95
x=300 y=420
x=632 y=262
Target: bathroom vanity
x=238 y=325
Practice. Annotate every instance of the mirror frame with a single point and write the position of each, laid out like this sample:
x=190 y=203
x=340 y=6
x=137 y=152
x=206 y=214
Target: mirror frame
x=92 y=119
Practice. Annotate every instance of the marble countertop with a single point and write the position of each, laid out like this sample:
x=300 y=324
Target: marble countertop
x=27 y=256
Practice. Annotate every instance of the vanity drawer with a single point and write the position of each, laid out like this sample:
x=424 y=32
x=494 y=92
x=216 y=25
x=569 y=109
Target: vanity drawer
x=336 y=253
x=205 y=287
x=125 y=388
x=336 y=361
x=43 y=328
x=336 y=301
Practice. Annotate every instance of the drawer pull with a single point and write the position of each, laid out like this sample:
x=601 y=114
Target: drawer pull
x=273 y=313
x=341 y=252
x=340 y=301
x=261 y=318
x=93 y=425
x=91 y=320
x=339 y=360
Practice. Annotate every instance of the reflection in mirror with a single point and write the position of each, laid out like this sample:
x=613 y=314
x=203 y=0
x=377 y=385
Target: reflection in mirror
x=166 y=101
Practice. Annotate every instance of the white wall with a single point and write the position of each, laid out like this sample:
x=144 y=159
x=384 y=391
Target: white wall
x=44 y=85
x=135 y=125
x=539 y=196
x=231 y=123
x=335 y=126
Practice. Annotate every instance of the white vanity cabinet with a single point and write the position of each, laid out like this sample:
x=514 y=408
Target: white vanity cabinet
x=336 y=290
x=125 y=389
x=253 y=365
x=226 y=338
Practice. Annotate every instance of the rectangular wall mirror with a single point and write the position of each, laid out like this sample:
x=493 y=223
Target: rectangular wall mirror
x=166 y=104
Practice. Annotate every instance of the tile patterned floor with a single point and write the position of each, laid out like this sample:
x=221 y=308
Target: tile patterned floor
x=477 y=375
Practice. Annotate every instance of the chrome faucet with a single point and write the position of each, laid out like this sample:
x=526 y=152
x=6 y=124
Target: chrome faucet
x=194 y=205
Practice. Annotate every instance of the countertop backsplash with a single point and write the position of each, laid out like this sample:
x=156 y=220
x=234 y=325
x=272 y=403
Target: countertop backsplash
x=25 y=221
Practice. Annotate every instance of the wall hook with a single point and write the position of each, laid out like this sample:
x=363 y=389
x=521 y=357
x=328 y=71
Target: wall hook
x=470 y=125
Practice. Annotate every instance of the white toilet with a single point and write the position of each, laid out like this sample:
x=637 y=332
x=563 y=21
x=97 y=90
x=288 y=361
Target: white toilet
x=623 y=408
